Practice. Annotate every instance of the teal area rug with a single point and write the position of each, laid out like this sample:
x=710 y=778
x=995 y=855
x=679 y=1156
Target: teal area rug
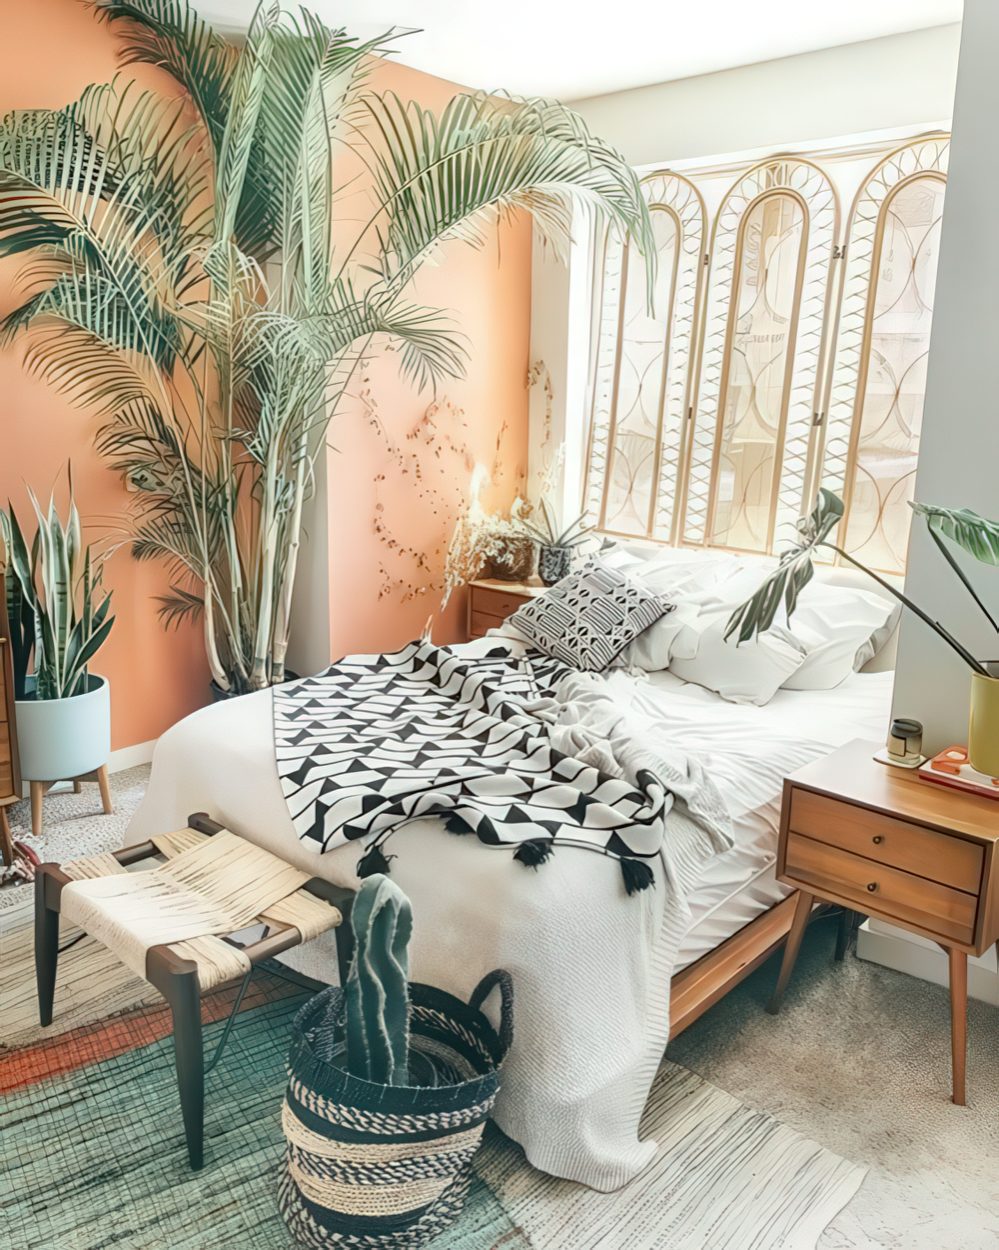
x=94 y=1159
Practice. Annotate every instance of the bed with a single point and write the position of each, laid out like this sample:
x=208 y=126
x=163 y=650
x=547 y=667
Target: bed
x=603 y=979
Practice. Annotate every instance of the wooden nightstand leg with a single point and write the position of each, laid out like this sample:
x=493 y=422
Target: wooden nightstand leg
x=958 y=1022
x=802 y=910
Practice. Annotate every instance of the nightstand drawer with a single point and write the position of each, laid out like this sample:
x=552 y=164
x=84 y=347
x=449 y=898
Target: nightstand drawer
x=888 y=840
x=501 y=603
x=895 y=894
x=480 y=622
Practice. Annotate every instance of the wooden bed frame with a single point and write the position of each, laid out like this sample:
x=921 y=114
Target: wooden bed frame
x=701 y=984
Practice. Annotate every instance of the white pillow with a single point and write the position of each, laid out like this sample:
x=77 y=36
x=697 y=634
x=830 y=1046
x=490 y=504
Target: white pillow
x=751 y=672
x=682 y=575
x=841 y=629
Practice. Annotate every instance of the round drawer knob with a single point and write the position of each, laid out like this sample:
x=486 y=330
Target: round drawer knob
x=878 y=839
x=872 y=886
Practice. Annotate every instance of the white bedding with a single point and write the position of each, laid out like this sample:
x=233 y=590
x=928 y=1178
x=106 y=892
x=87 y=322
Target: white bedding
x=592 y=1016
x=740 y=884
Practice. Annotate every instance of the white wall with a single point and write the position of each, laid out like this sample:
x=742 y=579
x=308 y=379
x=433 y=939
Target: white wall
x=959 y=444
x=881 y=84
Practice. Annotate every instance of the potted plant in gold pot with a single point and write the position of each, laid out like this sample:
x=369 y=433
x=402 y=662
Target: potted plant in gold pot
x=972 y=533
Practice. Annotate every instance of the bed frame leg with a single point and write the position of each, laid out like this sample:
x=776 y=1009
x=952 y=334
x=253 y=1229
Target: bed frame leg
x=844 y=933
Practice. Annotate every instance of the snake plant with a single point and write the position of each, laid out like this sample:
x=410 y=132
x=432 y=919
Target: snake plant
x=377 y=989
x=56 y=606
x=192 y=278
x=968 y=531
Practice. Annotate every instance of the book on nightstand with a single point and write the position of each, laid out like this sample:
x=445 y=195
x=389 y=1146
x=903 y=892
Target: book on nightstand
x=950 y=767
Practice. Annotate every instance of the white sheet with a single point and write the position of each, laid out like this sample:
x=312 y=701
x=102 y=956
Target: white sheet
x=473 y=906
x=740 y=884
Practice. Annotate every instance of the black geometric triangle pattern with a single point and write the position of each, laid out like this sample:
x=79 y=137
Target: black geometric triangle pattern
x=379 y=740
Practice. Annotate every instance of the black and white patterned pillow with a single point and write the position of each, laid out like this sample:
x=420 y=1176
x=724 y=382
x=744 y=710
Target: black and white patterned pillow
x=589 y=617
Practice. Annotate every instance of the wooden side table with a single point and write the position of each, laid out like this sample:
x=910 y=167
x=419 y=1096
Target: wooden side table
x=879 y=840
x=491 y=601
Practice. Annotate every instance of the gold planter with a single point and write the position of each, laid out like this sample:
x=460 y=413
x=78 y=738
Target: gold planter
x=983 y=727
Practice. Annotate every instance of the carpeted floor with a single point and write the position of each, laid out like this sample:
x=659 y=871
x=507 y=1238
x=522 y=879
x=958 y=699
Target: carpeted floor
x=858 y=1061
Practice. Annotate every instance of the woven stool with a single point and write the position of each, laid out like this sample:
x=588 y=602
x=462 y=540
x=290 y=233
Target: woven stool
x=173 y=926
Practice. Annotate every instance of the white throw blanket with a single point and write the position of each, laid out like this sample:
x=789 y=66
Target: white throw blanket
x=591 y=965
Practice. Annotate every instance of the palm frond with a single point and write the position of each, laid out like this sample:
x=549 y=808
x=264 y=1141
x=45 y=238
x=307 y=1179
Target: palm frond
x=171 y=35
x=438 y=176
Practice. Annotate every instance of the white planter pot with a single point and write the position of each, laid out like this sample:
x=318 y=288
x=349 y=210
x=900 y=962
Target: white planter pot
x=62 y=738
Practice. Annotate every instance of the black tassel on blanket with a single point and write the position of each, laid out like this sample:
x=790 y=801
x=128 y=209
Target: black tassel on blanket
x=636 y=873
x=373 y=860
x=534 y=852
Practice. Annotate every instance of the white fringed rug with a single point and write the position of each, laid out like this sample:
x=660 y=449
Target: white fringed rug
x=725 y=1178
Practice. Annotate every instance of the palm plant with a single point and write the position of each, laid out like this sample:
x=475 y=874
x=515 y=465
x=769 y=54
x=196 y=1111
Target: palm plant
x=56 y=606
x=187 y=277
x=966 y=529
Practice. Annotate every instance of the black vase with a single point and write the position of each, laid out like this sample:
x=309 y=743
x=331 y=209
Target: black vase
x=554 y=564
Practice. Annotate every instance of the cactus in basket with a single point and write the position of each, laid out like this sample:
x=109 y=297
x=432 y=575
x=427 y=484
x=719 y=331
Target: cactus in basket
x=377 y=993
x=56 y=605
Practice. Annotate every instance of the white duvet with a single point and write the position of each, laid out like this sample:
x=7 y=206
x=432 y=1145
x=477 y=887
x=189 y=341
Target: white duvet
x=591 y=966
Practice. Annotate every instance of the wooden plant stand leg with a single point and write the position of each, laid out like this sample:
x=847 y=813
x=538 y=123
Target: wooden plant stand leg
x=958 y=1022
x=802 y=910
x=105 y=785
x=77 y=785
x=177 y=981
x=38 y=789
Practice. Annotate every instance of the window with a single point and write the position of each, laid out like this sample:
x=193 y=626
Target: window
x=718 y=410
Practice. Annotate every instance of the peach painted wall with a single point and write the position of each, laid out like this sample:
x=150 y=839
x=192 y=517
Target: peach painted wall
x=380 y=595
x=51 y=50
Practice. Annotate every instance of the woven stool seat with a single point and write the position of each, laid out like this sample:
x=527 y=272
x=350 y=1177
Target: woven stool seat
x=207 y=886
x=183 y=924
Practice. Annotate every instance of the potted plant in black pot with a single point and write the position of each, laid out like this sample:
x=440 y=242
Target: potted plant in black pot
x=407 y=1069
x=556 y=543
x=59 y=617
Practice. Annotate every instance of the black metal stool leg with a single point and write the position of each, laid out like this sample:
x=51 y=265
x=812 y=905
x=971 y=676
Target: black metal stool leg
x=46 y=945
x=177 y=981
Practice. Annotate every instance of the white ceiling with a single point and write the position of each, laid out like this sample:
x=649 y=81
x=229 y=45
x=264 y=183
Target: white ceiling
x=576 y=48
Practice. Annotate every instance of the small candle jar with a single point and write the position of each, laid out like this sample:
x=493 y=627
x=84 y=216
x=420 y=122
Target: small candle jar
x=905 y=741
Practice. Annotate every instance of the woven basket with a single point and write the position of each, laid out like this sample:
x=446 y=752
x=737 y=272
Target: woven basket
x=389 y=1166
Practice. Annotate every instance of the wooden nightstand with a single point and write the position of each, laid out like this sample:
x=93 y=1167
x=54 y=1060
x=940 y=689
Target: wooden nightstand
x=491 y=601
x=879 y=840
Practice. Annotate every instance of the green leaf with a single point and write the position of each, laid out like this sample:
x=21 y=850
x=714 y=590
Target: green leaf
x=975 y=534
x=783 y=586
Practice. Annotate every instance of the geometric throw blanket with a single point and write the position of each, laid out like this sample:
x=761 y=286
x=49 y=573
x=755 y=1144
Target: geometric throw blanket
x=378 y=741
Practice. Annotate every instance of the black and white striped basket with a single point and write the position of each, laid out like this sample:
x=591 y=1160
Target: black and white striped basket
x=389 y=1166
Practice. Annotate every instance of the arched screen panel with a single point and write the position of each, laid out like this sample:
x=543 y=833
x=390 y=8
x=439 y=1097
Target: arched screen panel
x=879 y=370
x=771 y=254
x=642 y=375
